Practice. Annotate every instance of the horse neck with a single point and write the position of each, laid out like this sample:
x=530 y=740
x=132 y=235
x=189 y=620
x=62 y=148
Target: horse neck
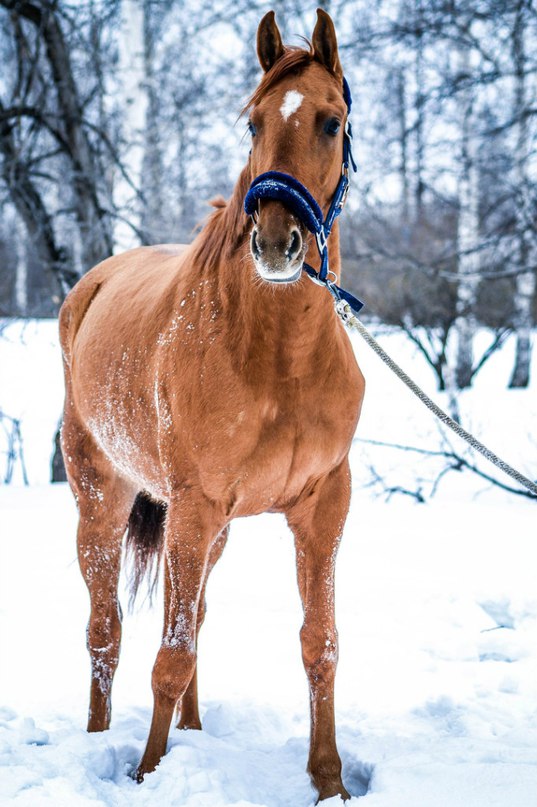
x=284 y=330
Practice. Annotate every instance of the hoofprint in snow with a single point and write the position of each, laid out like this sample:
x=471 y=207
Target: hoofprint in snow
x=437 y=614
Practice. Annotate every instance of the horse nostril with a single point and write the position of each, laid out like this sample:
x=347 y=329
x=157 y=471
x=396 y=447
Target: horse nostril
x=253 y=244
x=295 y=246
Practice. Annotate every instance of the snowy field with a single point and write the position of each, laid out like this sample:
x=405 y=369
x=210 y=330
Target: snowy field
x=437 y=611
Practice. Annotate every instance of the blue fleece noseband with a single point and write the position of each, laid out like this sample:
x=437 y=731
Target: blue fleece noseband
x=294 y=195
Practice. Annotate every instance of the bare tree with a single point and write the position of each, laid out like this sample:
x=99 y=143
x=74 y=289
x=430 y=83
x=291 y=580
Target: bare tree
x=30 y=205
x=70 y=131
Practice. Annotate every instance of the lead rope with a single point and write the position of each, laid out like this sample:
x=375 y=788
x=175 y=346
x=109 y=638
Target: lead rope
x=344 y=311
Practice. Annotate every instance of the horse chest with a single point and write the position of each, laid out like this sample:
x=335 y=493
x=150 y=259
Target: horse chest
x=267 y=450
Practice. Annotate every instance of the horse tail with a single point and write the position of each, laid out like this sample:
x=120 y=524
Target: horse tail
x=144 y=543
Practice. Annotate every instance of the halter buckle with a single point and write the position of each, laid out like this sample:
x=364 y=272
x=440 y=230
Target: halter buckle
x=345 y=192
x=317 y=281
x=321 y=238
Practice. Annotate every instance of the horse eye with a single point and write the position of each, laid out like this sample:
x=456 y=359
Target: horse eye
x=251 y=128
x=332 y=126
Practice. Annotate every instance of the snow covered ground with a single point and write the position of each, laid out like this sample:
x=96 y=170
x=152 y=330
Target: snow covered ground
x=437 y=612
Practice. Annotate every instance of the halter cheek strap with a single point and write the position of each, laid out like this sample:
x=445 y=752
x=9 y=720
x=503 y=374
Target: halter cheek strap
x=294 y=195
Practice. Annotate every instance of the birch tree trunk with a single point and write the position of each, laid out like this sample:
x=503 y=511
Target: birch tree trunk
x=420 y=122
x=21 y=271
x=467 y=233
x=152 y=168
x=133 y=106
x=403 y=142
x=526 y=252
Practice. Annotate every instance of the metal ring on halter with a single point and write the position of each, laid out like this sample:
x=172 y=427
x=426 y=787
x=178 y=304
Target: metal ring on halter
x=334 y=277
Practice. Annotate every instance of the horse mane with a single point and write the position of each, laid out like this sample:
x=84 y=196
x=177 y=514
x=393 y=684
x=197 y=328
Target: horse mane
x=227 y=225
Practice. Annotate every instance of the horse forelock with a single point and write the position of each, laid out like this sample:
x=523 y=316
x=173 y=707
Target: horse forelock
x=292 y=61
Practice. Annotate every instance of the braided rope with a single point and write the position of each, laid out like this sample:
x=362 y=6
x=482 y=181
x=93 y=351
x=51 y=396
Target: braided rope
x=345 y=312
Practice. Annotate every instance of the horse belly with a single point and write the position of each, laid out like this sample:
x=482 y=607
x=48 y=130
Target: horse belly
x=129 y=450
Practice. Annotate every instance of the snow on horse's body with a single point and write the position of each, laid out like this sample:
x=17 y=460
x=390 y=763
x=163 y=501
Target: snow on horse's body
x=192 y=383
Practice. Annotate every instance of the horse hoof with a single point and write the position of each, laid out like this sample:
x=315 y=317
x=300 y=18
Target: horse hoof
x=95 y=726
x=188 y=719
x=331 y=789
x=142 y=770
x=189 y=724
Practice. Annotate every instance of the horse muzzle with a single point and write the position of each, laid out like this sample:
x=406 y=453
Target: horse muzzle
x=277 y=246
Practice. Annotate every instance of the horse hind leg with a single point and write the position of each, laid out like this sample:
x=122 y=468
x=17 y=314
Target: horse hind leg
x=99 y=541
x=104 y=503
x=189 y=717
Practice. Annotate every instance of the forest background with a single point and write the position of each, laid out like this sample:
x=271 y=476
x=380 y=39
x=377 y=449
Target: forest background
x=119 y=121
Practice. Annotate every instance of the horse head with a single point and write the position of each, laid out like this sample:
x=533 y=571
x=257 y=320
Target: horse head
x=297 y=124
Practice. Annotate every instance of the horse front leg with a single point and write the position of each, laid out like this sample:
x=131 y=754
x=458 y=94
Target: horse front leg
x=317 y=523
x=189 y=716
x=191 y=529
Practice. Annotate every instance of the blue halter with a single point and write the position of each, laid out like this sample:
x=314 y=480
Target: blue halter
x=294 y=195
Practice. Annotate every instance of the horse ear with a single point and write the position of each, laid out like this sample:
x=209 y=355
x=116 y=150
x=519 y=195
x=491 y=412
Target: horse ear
x=269 y=42
x=324 y=43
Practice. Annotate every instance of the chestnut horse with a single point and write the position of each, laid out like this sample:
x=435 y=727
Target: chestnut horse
x=211 y=381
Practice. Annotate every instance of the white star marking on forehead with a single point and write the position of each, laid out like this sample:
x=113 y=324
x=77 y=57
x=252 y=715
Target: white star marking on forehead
x=291 y=103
